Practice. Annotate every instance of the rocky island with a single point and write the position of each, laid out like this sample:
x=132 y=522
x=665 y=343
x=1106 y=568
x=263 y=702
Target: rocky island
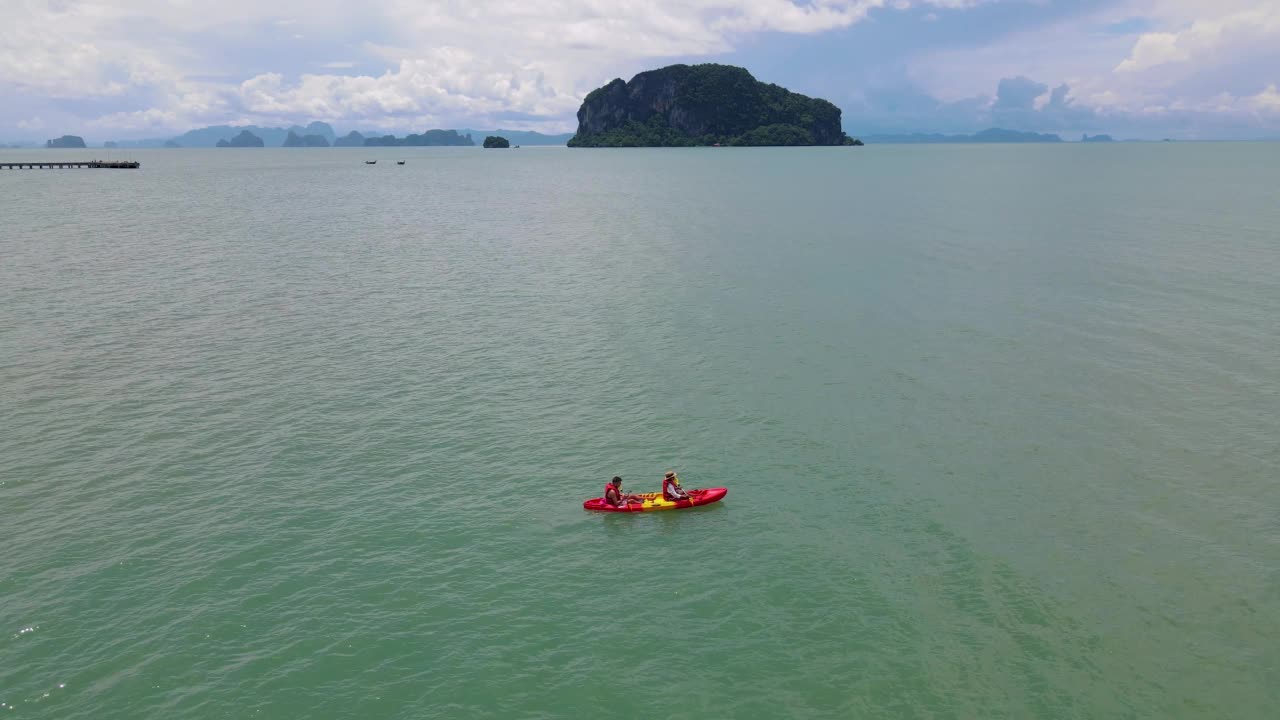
x=244 y=139
x=294 y=140
x=351 y=139
x=495 y=141
x=709 y=104
x=66 y=141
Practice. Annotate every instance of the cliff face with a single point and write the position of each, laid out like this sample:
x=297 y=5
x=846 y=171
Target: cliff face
x=703 y=105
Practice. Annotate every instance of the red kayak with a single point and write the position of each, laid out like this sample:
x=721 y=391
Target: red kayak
x=655 y=501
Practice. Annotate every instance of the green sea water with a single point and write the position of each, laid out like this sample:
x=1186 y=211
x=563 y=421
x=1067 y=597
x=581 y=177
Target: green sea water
x=285 y=435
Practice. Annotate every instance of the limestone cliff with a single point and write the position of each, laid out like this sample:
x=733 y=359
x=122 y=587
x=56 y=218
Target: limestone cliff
x=707 y=104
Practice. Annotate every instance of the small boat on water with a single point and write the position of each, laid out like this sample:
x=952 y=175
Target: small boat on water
x=648 y=502
x=370 y=162
x=399 y=162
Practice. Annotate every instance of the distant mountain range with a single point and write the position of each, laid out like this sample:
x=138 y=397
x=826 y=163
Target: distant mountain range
x=279 y=137
x=271 y=137
x=430 y=138
x=992 y=135
x=522 y=137
x=320 y=134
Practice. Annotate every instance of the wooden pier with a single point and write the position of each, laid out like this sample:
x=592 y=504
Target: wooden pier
x=45 y=165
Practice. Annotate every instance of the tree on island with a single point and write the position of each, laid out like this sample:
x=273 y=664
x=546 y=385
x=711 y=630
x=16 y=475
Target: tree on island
x=494 y=141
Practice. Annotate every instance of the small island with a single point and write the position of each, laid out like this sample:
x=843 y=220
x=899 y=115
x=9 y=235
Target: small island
x=66 y=141
x=243 y=140
x=171 y=145
x=1096 y=138
x=708 y=104
x=494 y=141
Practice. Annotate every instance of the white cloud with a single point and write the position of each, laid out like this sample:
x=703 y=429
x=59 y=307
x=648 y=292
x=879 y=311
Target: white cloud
x=1268 y=99
x=139 y=120
x=1208 y=39
x=449 y=59
x=1153 y=49
x=447 y=82
x=155 y=65
x=1192 y=60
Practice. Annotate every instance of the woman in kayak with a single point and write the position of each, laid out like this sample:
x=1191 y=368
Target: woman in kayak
x=613 y=494
x=671 y=489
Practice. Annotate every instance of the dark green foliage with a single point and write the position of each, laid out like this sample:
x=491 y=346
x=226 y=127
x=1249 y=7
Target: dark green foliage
x=430 y=138
x=705 y=104
x=654 y=133
x=493 y=141
x=775 y=135
x=852 y=141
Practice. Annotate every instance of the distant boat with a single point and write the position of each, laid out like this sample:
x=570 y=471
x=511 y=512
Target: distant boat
x=517 y=146
x=399 y=162
x=370 y=162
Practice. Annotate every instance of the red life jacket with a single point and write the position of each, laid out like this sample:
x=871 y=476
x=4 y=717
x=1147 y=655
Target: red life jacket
x=617 y=493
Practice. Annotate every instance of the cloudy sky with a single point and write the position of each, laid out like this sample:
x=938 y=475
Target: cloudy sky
x=152 y=68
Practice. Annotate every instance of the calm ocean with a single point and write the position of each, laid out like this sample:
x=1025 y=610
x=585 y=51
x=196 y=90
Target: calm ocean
x=285 y=435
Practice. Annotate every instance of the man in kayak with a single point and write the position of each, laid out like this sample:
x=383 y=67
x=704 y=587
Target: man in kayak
x=613 y=494
x=671 y=489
